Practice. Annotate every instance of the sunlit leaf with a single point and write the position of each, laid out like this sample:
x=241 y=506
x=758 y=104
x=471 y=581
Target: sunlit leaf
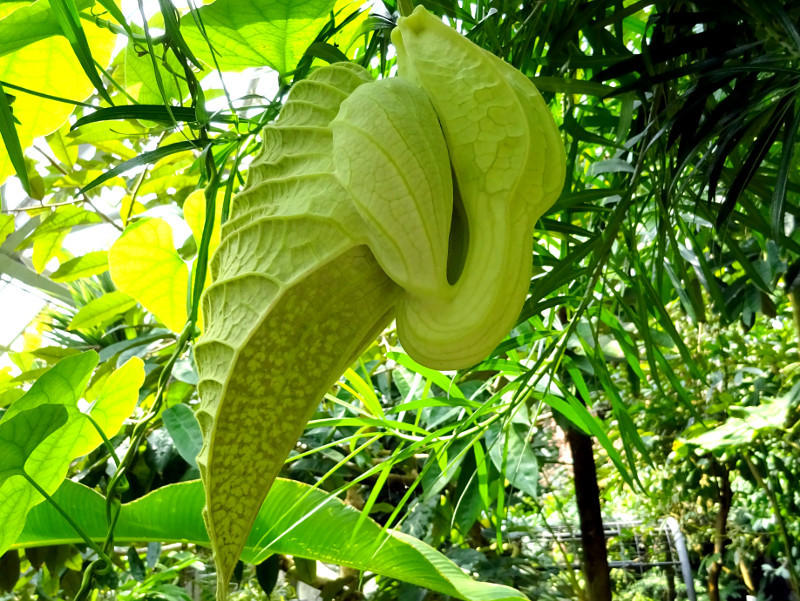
x=48 y=66
x=20 y=434
x=47 y=247
x=6 y=226
x=140 y=80
x=194 y=212
x=60 y=389
x=90 y=264
x=144 y=263
x=29 y=24
x=101 y=310
x=63 y=151
x=770 y=415
x=257 y=33
x=295 y=520
x=63 y=219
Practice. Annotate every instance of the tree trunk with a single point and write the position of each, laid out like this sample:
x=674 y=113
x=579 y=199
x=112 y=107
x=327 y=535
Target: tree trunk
x=587 y=495
x=720 y=533
x=672 y=593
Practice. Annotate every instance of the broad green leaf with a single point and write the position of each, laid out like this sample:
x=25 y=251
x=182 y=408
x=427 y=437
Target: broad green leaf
x=257 y=33
x=63 y=151
x=47 y=66
x=102 y=309
x=144 y=264
x=294 y=520
x=749 y=423
x=25 y=361
x=9 y=396
x=130 y=207
x=47 y=247
x=20 y=435
x=6 y=227
x=140 y=81
x=119 y=396
x=90 y=264
x=182 y=426
x=194 y=212
x=29 y=24
x=62 y=220
x=61 y=387
x=53 y=354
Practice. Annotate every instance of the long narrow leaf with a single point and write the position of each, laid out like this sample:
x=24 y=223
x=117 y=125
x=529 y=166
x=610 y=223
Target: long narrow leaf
x=70 y=22
x=143 y=159
x=8 y=131
x=151 y=112
x=777 y=208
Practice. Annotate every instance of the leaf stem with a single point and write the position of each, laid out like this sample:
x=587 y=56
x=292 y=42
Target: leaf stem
x=11 y=86
x=106 y=442
x=95 y=547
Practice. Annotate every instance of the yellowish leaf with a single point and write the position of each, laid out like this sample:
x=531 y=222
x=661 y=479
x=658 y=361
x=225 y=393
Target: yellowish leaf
x=48 y=66
x=6 y=226
x=101 y=310
x=130 y=207
x=47 y=247
x=194 y=212
x=144 y=264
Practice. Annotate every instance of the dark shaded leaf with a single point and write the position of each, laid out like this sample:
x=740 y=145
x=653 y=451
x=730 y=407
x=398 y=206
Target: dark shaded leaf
x=267 y=573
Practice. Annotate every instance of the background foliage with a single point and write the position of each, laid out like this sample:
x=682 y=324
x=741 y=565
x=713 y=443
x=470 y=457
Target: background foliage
x=662 y=320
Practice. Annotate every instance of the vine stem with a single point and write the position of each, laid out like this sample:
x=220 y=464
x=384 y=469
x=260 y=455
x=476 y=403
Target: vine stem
x=106 y=442
x=95 y=547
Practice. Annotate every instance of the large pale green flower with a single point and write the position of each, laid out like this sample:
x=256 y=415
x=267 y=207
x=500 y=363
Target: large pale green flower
x=413 y=197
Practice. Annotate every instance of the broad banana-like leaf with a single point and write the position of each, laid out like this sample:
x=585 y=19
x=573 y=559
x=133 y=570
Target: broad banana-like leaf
x=294 y=520
x=416 y=196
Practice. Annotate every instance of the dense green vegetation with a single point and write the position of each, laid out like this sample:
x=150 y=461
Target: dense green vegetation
x=660 y=334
